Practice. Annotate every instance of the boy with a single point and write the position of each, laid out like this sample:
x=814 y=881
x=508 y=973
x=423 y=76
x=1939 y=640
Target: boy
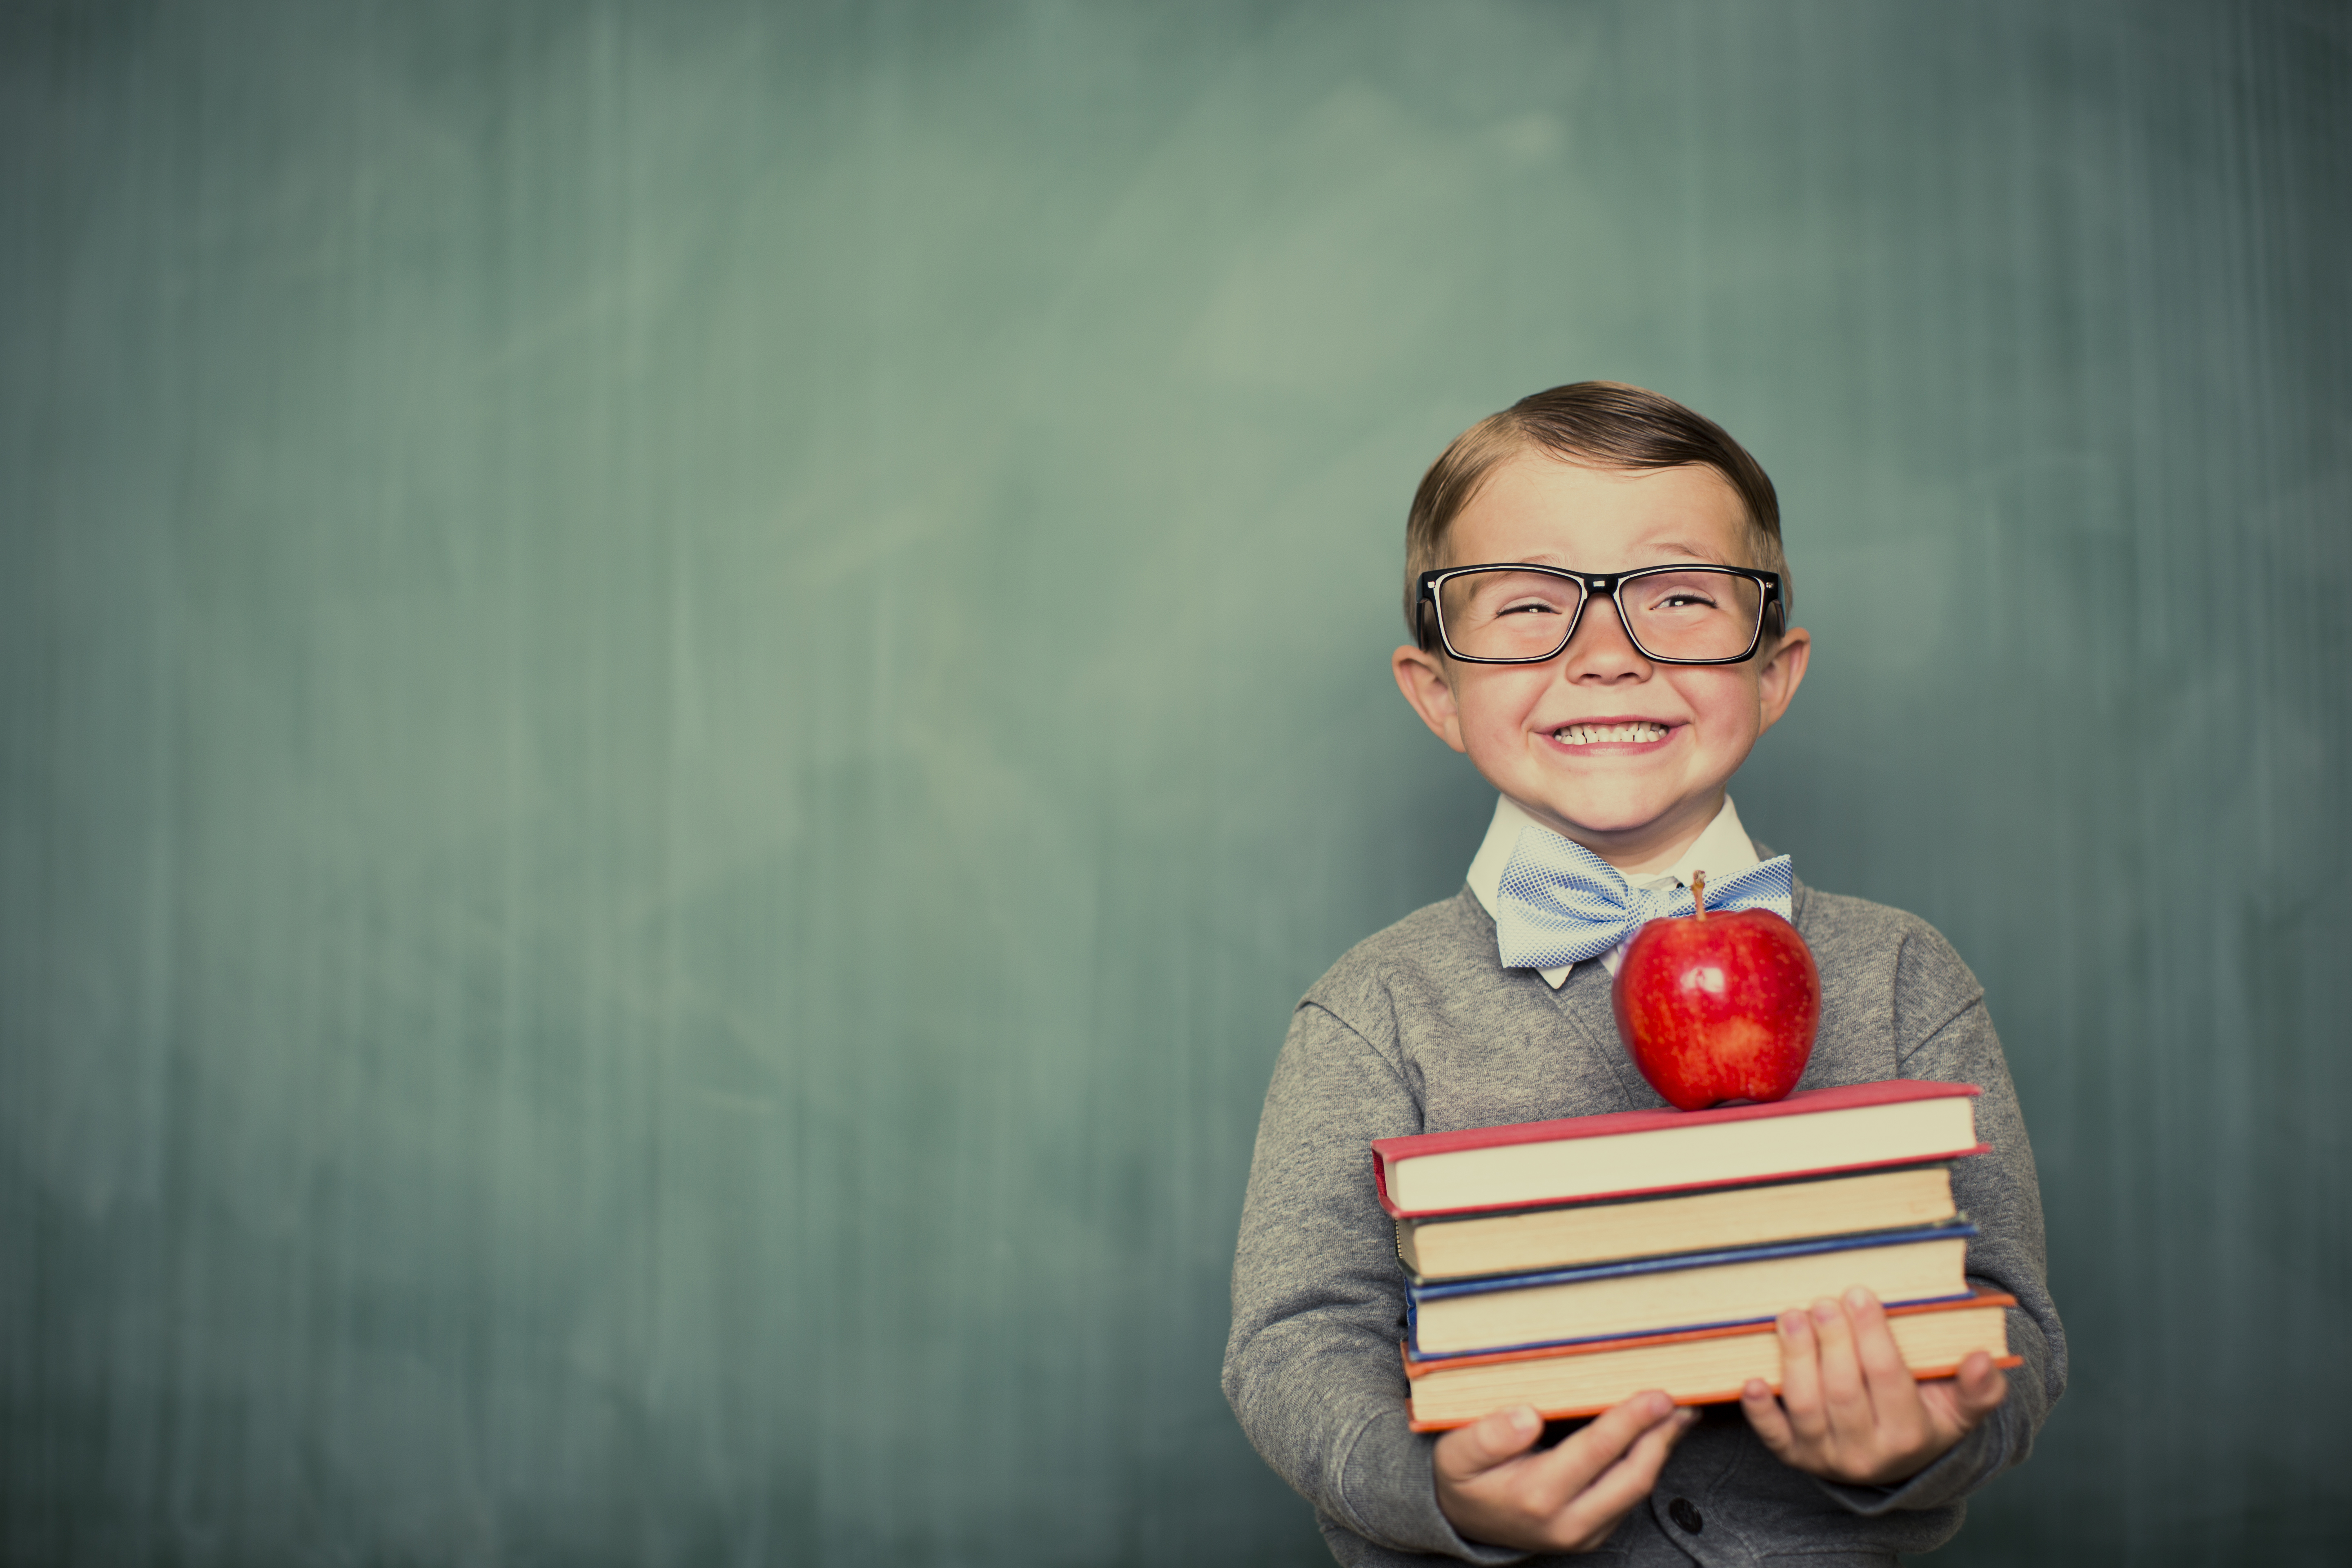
x=1609 y=710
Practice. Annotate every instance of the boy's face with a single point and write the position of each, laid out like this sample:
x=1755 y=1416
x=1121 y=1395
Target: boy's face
x=1634 y=802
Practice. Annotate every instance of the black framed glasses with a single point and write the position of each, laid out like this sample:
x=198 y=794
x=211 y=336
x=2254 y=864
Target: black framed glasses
x=1509 y=613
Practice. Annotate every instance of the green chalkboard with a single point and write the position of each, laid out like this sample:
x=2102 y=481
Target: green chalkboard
x=684 y=688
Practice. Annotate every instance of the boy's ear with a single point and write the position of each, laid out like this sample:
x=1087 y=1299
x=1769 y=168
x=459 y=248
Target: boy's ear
x=1782 y=672
x=1422 y=676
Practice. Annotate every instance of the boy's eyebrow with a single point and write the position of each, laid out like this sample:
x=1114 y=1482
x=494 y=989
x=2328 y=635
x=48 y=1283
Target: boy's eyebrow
x=1663 y=546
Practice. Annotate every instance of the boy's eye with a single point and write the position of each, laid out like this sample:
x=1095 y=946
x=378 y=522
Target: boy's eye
x=1491 y=596
x=1684 y=592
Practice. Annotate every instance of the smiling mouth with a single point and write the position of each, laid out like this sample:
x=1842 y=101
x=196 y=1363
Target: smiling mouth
x=1603 y=734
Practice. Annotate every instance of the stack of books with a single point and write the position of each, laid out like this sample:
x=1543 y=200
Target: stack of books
x=1569 y=1264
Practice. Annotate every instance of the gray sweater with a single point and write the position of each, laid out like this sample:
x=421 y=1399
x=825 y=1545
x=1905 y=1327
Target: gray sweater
x=1420 y=1029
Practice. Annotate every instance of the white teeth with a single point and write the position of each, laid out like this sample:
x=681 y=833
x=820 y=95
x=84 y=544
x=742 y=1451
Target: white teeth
x=1594 y=734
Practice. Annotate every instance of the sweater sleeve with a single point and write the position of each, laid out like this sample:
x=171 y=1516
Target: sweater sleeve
x=1313 y=1367
x=1948 y=1036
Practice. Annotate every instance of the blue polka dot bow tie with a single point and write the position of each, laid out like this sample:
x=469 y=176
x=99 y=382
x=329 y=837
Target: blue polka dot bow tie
x=1562 y=904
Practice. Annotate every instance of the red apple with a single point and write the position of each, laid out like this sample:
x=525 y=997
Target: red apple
x=1717 y=1007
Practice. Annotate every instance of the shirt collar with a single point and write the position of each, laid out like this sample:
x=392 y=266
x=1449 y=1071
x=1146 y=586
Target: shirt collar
x=1723 y=850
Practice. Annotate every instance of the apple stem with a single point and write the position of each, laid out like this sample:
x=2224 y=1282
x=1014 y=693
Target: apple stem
x=1698 y=892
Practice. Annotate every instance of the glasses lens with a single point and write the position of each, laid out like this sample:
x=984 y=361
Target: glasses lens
x=1693 y=615
x=1506 y=613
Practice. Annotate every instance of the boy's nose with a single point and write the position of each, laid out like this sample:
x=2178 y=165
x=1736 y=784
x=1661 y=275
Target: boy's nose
x=1601 y=649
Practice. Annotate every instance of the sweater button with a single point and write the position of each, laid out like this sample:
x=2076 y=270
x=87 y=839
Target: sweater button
x=1685 y=1513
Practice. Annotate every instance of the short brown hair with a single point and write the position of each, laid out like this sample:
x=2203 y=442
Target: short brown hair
x=1599 y=424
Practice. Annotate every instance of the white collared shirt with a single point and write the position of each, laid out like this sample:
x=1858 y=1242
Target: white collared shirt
x=1723 y=850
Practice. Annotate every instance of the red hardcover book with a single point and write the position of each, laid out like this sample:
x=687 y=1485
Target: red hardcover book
x=1626 y=1154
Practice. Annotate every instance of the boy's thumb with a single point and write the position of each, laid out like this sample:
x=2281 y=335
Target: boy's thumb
x=1489 y=1440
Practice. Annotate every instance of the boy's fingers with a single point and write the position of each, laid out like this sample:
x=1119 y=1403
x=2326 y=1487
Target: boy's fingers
x=1586 y=1516
x=1573 y=1466
x=1957 y=1404
x=1765 y=1414
x=1980 y=1387
x=1493 y=1439
x=1883 y=1368
x=1801 y=1377
x=1843 y=1394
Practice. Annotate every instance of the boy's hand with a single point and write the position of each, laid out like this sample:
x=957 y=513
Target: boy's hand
x=1849 y=1409
x=1566 y=1498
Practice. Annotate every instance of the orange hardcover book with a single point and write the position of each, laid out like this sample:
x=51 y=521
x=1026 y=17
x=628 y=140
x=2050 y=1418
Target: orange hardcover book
x=1697 y=1366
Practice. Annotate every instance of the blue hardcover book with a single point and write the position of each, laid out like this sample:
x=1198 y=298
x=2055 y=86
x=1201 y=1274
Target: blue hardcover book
x=1692 y=1290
